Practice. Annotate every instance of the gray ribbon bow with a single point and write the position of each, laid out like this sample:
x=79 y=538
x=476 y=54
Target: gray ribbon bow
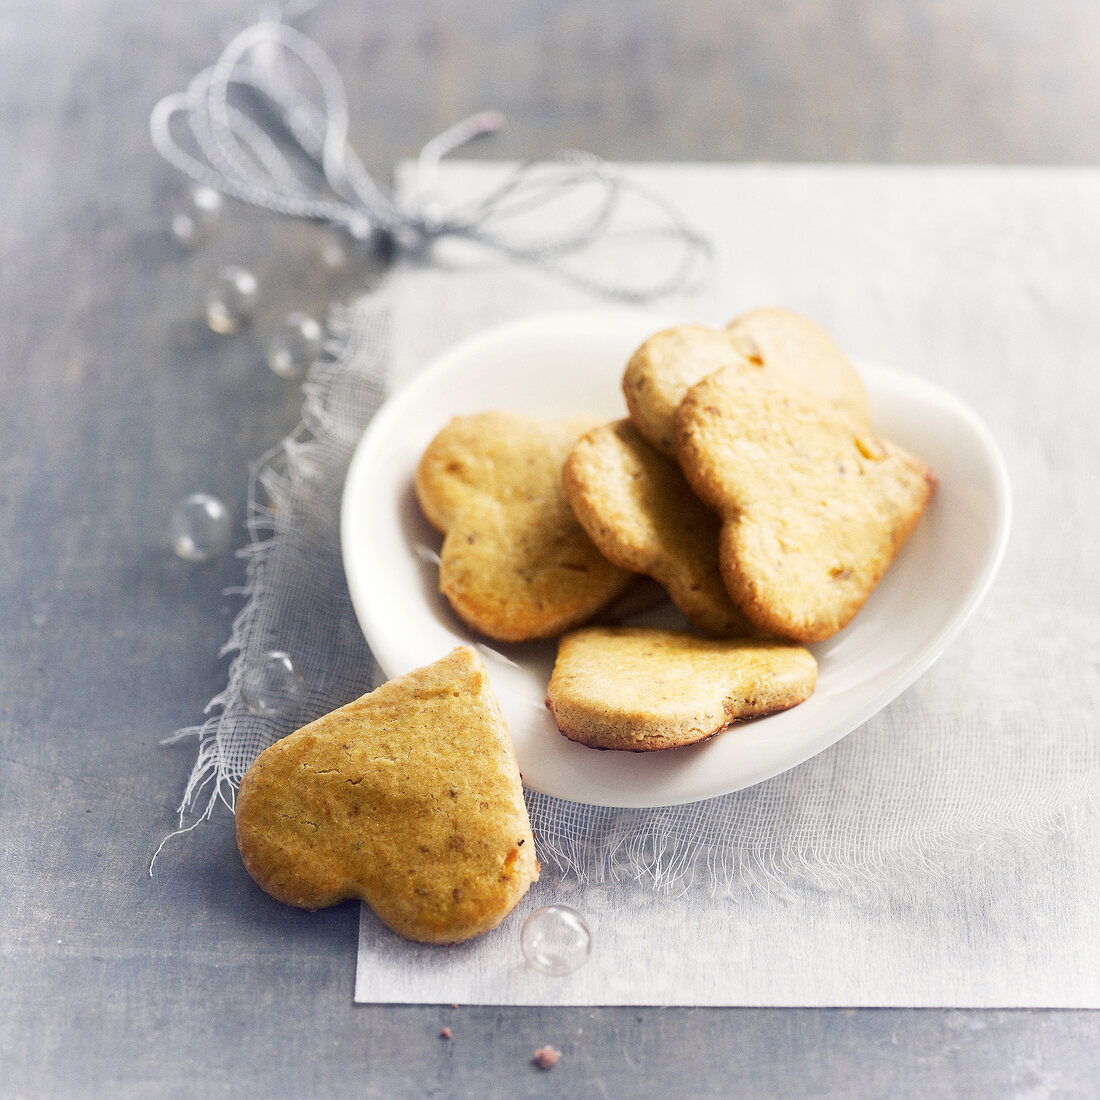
x=274 y=90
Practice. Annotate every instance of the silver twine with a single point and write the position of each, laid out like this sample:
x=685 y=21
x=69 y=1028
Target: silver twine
x=273 y=90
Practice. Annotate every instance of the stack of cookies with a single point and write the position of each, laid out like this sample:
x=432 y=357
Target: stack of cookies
x=746 y=481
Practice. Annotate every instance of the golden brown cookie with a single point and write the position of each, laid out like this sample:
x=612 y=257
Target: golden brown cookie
x=642 y=515
x=663 y=369
x=408 y=798
x=782 y=341
x=814 y=505
x=801 y=351
x=515 y=563
x=640 y=689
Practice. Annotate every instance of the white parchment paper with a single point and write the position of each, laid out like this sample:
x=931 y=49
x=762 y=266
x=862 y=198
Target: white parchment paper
x=948 y=851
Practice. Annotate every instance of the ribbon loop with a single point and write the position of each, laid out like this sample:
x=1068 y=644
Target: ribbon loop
x=274 y=91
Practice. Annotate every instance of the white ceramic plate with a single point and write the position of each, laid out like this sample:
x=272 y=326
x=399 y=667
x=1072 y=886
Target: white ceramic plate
x=566 y=364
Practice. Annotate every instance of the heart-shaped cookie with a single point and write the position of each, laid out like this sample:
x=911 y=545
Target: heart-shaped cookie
x=799 y=349
x=814 y=506
x=639 y=689
x=780 y=341
x=664 y=368
x=638 y=509
x=515 y=563
x=408 y=798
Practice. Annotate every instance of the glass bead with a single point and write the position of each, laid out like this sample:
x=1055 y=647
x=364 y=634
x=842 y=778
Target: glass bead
x=196 y=211
x=296 y=346
x=272 y=686
x=201 y=528
x=556 y=940
x=231 y=299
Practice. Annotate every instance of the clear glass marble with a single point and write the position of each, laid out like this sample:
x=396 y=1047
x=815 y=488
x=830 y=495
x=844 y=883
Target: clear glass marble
x=196 y=211
x=201 y=528
x=231 y=299
x=295 y=346
x=556 y=940
x=272 y=686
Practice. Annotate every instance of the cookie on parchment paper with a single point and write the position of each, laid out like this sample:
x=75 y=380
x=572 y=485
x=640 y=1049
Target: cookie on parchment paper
x=408 y=798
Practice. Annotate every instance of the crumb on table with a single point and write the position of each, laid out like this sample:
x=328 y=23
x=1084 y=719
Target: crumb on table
x=547 y=1057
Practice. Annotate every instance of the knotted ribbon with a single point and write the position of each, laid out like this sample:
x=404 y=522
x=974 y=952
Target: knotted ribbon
x=274 y=98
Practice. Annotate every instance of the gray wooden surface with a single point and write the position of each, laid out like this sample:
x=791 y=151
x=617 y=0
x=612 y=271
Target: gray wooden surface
x=115 y=402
